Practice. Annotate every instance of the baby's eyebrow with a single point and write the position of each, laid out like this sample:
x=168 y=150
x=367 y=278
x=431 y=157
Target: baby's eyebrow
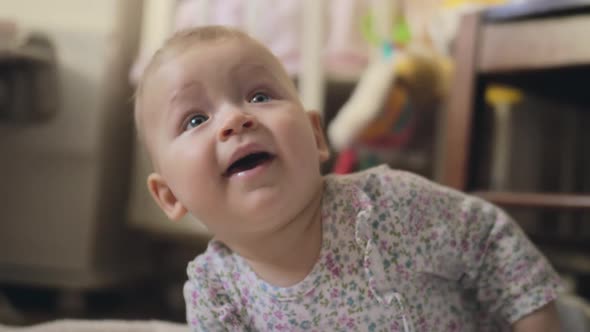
x=266 y=72
x=195 y=87
x=179 y=99
x=242 y=68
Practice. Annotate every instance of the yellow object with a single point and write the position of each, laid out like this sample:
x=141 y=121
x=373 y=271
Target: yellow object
x=498 y=94
x=389 y=116
x=404 y=67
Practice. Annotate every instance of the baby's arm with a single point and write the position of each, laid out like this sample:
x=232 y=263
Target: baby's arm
x=208 y=304
x=511 y=276
x=200 y=315
x=486 y=251
x=543 y=320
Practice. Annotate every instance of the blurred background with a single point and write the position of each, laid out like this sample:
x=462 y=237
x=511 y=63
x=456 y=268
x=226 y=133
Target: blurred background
x=487 y=96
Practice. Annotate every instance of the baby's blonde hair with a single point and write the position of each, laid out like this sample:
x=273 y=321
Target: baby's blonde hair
x=176 y=44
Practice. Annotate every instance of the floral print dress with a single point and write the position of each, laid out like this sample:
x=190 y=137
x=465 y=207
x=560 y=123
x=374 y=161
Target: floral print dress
x=399 y=253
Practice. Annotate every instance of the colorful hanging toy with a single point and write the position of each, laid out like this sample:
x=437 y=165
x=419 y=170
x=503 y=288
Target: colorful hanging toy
x=381 y=116
x=372 y=115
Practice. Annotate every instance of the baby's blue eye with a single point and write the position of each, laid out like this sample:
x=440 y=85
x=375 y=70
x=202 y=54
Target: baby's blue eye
x=260 y=97
x=196 y=121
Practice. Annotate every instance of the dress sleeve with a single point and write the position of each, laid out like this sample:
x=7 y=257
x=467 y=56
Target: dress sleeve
x=208 y=307
x=462 y=238
x=488 y=251
x=511 y=276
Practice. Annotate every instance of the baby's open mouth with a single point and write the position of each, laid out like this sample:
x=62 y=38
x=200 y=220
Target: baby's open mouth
x=248 y=162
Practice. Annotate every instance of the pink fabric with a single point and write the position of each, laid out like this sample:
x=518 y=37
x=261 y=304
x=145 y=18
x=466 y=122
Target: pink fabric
x=346 y=50
x=279 y=28
x=346 y=162
x=279 y=25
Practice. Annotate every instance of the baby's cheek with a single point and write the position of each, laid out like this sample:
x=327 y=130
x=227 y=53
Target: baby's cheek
x=195 y=183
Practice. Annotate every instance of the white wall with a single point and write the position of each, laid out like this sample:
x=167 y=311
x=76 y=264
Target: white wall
x=81 y=31
x=63 y=181
x=93 y=15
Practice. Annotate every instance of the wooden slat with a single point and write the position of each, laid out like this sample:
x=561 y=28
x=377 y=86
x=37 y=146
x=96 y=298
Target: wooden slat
x=538 y=200
x=457 y=121
x=312 y=85
x=535 y=44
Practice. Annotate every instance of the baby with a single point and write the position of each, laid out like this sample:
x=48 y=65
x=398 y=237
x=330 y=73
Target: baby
x=381 y=250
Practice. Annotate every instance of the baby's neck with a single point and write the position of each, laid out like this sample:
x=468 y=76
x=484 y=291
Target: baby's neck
x=288 y=256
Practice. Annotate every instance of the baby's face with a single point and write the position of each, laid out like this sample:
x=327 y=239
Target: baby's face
x=229 y=139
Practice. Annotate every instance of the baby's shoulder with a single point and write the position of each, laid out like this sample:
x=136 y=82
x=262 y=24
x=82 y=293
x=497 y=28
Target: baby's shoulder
x=407 y=203
x=210 y=266
x=384 y=181
x=209 y=293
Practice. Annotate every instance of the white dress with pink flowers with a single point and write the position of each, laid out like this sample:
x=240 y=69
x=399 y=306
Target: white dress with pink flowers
x=399 y=253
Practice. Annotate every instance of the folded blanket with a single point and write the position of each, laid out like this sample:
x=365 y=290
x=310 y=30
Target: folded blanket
x=574 y=315
x=100 y=326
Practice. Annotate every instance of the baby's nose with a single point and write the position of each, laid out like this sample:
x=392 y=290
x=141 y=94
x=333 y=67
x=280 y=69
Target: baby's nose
x=236 y=124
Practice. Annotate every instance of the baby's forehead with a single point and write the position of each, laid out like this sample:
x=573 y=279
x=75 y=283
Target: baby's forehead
x=240 y=58
x=241 y=52
x=239 y=45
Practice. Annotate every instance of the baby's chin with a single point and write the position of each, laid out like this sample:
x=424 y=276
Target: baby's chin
x=247 y=226
x=269 y=213
x=263 y=210
x=261 y=219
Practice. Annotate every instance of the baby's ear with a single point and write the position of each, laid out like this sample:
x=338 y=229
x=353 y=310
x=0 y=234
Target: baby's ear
x=320 y=138
x=165 y=198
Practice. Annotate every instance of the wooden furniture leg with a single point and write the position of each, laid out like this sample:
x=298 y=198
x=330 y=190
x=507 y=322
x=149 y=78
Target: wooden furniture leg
x=458 y=121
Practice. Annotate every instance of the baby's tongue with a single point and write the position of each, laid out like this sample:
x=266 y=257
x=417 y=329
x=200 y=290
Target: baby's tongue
x=247 y=163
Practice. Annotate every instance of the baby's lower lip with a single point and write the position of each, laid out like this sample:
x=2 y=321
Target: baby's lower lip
x=252 y=171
